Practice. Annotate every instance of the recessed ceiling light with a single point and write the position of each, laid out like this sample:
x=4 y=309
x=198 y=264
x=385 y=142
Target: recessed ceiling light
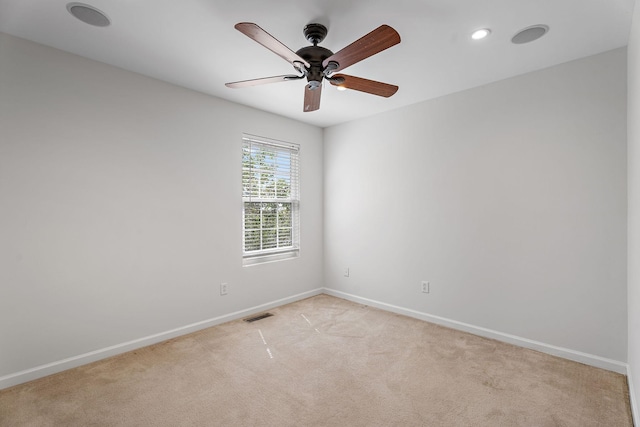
x=530 y=34
x=341 y=88
x=88 y=14
x=480 y=34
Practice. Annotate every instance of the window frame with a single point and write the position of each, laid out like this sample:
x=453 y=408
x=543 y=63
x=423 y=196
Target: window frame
x=280 y=150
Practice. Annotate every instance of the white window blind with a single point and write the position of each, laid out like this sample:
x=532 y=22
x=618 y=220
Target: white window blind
x=270 y=195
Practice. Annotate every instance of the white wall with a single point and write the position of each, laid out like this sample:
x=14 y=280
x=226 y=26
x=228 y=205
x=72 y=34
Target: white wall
x=633 y=156
x=509 y=198
x=120 y=207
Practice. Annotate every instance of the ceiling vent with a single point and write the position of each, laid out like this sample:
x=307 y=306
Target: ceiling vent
x=88 y=14
x=530 y=34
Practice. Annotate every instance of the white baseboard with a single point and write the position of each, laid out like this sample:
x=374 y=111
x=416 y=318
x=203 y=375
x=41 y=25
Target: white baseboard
x=632 y=398
x=82 y=359
x=577 y=356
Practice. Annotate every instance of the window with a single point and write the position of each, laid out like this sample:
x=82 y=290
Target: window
x=270 y=196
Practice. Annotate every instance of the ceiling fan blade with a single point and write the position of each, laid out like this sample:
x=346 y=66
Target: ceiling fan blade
x=262 y=81
x=312 y=98
x=363 y=85
x=376 y=41
x=253 y=31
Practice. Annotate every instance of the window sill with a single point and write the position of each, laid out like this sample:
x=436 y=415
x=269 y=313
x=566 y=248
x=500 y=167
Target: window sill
x=248 y=261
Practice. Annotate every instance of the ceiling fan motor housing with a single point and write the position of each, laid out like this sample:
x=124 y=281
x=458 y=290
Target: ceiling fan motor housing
x=314 y=55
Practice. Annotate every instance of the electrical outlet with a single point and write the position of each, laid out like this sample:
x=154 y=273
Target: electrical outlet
x=425 y=287
x=346 y=272
x=223 y=289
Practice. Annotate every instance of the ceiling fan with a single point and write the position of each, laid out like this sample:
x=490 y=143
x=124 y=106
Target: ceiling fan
x=317 y=63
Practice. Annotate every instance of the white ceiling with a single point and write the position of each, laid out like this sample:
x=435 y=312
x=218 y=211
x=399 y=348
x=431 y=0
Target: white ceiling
x=193 y=43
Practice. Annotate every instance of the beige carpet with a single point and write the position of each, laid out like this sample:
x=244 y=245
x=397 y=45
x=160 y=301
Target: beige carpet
x=324 y=362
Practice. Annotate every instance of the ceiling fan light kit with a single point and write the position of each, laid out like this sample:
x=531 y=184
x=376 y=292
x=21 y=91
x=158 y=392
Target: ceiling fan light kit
x=316 y=63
